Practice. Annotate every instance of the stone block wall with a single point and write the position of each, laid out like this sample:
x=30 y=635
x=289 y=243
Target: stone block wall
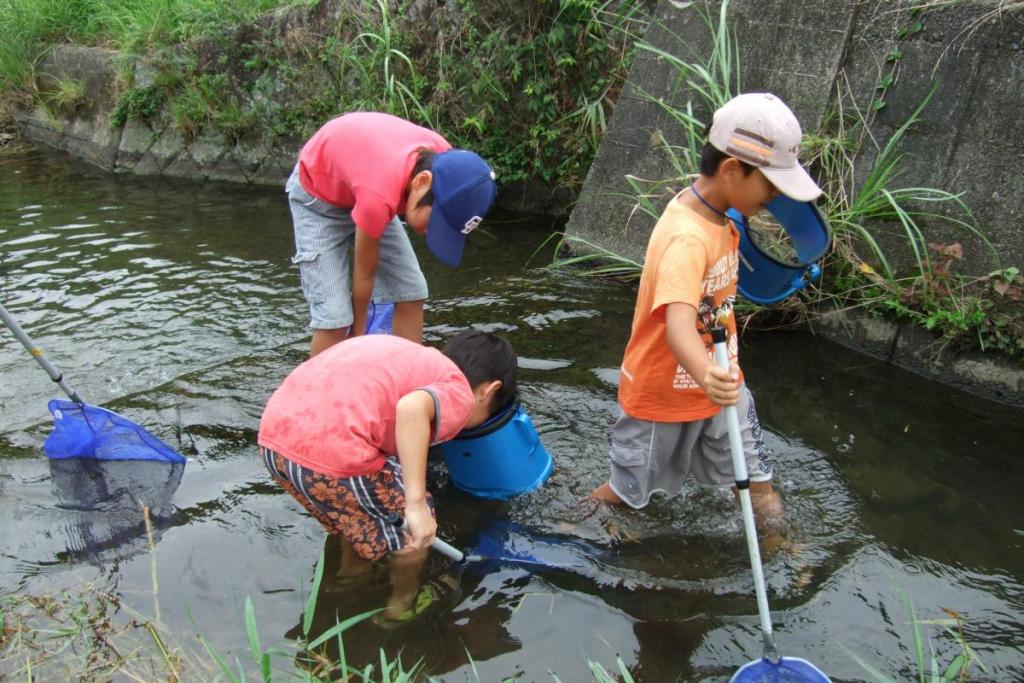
x=143 y=147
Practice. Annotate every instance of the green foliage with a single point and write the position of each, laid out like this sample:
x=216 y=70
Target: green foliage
x=712 y=83
x=534 y=102
x=31 y=26
x=137 y=103
x=595 y=261
x=929 y=668
x=384 y=67
x=531 y=93
x=601 y=675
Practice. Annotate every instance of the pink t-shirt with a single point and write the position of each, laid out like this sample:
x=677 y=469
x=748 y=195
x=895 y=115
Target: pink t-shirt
x=363 y=160
x=335 y=413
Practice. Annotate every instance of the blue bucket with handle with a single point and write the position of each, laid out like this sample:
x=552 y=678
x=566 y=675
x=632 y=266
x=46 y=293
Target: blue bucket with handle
x=767 y=279
x=501 y=458
x=498 y=459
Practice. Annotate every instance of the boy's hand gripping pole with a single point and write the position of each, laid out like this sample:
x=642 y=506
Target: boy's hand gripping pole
x=437 y=544
x=719 y=335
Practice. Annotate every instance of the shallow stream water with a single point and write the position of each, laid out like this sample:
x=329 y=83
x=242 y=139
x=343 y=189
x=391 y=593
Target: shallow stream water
x=175 y=304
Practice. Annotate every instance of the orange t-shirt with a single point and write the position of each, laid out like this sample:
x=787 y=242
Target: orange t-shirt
x=693 y=261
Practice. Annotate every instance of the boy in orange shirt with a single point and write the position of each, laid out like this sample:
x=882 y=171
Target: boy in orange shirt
x=670 y=390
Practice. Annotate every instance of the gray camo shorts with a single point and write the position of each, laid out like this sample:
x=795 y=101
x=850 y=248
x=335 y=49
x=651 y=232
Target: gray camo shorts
x=648 y=457
x=324 y=234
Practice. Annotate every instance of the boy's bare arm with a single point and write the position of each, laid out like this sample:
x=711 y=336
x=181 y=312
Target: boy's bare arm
x=414 y=416
x=686 y=344
x=364 y=272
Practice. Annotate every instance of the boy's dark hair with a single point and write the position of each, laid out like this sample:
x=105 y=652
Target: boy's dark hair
x=711 y=157
x=485 y=357
x=424 y=162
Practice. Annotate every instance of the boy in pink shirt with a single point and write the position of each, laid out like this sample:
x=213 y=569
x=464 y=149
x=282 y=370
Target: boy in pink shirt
x=347 y=434
x=353 y=180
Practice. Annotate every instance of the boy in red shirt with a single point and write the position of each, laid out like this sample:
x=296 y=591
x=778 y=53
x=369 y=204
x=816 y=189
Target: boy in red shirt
x=354 y=178
x=347 y=434
x=671 y=391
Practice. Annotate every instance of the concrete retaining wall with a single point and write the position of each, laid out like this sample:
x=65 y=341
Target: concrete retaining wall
x=970 y=139
x=915 y=349
x=823 y=57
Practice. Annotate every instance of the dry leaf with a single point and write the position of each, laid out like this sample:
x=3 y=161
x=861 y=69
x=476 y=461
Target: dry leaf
x=954 y=250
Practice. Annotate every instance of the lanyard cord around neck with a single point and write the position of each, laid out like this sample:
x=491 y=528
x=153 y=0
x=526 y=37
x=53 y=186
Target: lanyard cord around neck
x=693 y=188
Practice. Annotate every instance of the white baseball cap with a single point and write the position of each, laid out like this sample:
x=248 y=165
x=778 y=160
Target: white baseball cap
x=760 y=129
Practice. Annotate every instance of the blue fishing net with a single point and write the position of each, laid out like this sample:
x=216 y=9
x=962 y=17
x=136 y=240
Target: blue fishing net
x=507 y=543
x=84 y=431
x=786 y=670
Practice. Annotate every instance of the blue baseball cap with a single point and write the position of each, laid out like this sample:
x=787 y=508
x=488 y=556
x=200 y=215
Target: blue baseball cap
x=464 y=189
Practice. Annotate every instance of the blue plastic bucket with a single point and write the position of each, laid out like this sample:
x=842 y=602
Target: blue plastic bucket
x=501 y=458
x=765 y=279
x=379 y=318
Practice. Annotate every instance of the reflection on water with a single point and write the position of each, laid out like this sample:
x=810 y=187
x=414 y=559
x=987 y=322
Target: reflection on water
x=175 y=304
x=100 y=505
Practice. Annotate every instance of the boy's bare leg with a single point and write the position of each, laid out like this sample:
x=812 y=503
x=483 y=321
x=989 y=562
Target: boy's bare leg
x=351 y=563
x=768 y=511
x=324 y=339
x=604 y=494
x=405 y=580
x=407 y=321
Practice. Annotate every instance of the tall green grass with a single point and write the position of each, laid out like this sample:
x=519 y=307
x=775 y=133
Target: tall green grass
x=89 y=634
x=383 y=66
x=709 y=85
x=857 y=210
x=30 y=26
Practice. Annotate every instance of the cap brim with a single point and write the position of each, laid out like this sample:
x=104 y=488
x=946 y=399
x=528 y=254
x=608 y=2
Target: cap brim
x=794 y=182
x=444 y=241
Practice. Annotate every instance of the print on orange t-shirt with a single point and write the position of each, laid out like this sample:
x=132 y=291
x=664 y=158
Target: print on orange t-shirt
x=693 y=261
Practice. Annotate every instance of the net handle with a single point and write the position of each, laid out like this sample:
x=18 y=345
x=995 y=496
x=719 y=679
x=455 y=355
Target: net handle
x=38 y=354
x=719 y=336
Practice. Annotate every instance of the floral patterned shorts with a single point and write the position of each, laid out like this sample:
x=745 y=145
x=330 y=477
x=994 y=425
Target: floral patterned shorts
x=362 y=510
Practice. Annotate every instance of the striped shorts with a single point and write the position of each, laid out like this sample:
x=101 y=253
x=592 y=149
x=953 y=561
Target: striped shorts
x=324 y=234
x=365 y=511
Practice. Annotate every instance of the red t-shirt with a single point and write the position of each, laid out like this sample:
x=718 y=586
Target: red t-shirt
x=335 y=413
x=363 y=161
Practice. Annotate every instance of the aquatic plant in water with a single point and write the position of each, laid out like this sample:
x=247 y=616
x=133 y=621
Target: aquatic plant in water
x=928 y=668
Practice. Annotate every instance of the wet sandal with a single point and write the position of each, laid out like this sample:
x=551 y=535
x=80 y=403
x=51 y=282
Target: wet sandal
x=430 y=593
